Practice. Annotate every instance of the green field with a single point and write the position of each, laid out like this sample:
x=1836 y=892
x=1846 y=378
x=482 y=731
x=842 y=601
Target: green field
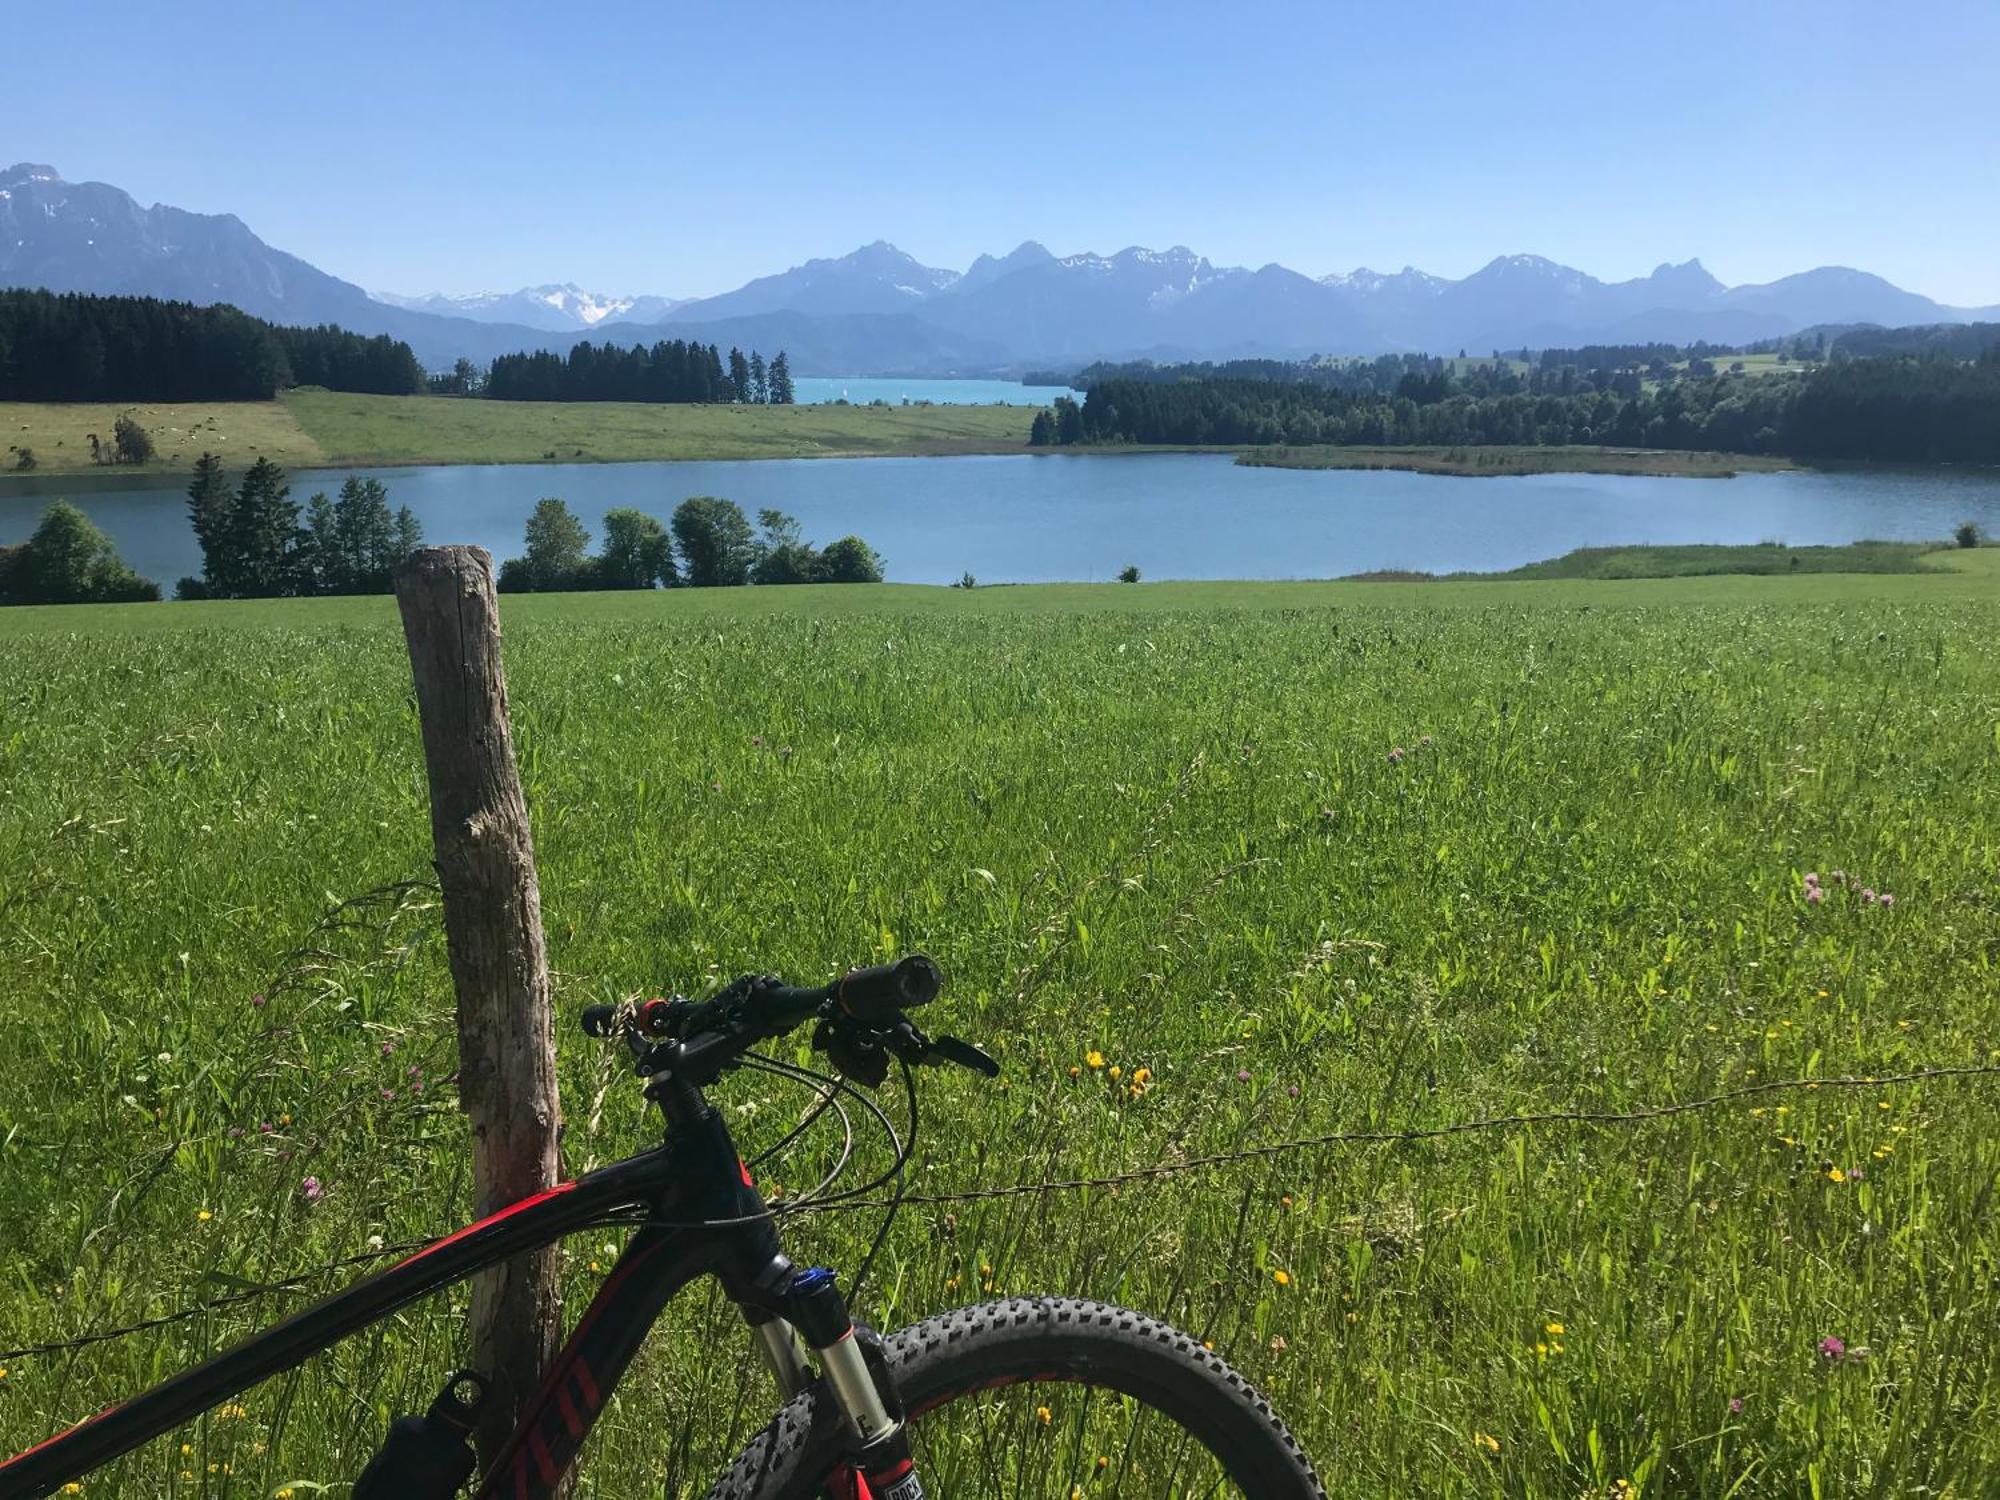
x=1765 y=559
x=1163 y=823
x=312 y=427
x=1492 y=462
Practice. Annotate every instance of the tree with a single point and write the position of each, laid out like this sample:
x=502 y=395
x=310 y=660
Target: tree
x=266 y=555
x=68 y=560
x=850 y=560
x=779 y=378
x=320 y=548
x=365 y=541
x=133 y=443
x=637 y=552
x=1042 y=431
x=739 y=377
x=715 y=543
x=1128 y=575
x=555 y=550
x=1069 y=421
x=759 y=391
x=783 y=554
x=1966 y=534
x=209 y=504
x=409 y=532
x=24 y=458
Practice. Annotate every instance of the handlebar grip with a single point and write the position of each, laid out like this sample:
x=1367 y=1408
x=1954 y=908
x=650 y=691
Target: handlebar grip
x=600 y=1020
x=880 y=992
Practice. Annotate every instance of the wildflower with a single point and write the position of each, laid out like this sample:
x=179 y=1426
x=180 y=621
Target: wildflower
x=757 y=740
x=1811 y=879
x=1839 y=877
x=311 y=1190
x=1815 y=895
x=1867 y=896
x=1887 y=899
x=202 y=1216
x=1292 y=1091
x=1103 y=1462
x=1075 y=1071
x=1142 y=1076
x=1242 y=1075
x=1834 y=1174
x=73 y=1488
x=1044 y=1415
x=374 y=1242
x=1555 y=1328
x=230 y=1413
x=1832 y=1349
x=258 y=1002
x=1396 y=755
x=1425 y=740
x=1735 y=1405
x=284 y=1119
x=1093 y=1058
x=388 y=1093
x=1116 y=1072
x=264 y=1127
x=388 y=1049
x=1282 y=1277
x=1487 y=1441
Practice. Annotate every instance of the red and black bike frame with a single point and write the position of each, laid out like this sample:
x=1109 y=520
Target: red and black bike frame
x=708 y=1220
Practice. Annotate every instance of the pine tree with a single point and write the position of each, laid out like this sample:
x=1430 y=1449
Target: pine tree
x=780 y=379
x=1042 y=431
x=739 y=377
x=209 y=506
x=759 y=392
x=264 y=537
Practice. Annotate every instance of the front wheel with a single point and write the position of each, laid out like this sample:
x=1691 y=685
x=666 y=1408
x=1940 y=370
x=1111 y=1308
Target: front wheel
x=1047 y=1398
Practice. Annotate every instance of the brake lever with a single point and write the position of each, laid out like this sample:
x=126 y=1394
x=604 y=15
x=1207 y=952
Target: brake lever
x=949 y=1049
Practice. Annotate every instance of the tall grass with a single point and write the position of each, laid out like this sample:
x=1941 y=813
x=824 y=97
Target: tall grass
x=1177 y=839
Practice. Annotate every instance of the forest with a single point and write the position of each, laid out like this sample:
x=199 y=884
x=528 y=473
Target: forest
x=71 y=347
x=1906 y=409
x=672 y=370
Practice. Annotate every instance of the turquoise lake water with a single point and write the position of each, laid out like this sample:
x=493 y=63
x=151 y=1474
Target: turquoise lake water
x=1040 y=518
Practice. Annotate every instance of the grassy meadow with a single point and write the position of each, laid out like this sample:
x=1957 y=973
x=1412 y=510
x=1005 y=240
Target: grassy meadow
x=1318 y=857
x=1479 y=461
x=310 y=427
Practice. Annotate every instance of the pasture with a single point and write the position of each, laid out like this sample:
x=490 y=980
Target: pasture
x=1316 y=857
x=309 y=427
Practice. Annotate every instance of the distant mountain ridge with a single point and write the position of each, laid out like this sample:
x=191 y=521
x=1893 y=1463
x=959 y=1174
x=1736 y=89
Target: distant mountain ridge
x=879 y=310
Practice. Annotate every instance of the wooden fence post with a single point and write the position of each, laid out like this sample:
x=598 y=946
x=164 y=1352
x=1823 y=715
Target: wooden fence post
x=499 y=967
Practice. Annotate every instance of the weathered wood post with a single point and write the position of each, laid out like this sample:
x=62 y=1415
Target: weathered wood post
x=499 y=967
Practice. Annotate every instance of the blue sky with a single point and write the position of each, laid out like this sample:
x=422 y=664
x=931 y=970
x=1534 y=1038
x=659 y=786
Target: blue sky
x=680 y=149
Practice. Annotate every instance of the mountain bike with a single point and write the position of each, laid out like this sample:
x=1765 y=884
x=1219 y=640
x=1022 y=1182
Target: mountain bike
x=1030 y=1396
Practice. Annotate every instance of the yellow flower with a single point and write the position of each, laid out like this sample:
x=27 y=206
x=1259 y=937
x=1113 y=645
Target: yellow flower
x=1044 y=1415
x=284 y=1494
x=1117 y=1072
x=1094 y=1058
x=72 y=1488
x=1103 y=1462
x=1834 y=1174
x=203 y=1216
x=1881 y=1103
x=284 y=1119
x=1487 y=1441
x=1142 y=1076
x=1283 y=1278
x=1820 y=993
x=230 y=1413
x=1555 y=1328
x=1075 y=1071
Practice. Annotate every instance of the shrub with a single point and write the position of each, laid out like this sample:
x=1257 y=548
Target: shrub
x=1966 y=534
x=133 y=443
x=1128 y=575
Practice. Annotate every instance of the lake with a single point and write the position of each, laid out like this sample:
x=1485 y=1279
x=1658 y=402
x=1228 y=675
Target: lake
x=812 y=390
x=1044 y=518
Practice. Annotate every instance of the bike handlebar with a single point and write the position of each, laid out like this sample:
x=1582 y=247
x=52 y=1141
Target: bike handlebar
x=876 y=994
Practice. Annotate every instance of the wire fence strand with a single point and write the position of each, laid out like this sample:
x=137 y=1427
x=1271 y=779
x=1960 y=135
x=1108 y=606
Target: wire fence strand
x=1153 y=1173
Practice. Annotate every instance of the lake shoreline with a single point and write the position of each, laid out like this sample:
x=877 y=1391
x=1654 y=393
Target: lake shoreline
x=1498 y=462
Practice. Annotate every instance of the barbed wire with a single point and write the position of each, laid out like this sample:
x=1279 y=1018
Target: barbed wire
x=1411 y=1136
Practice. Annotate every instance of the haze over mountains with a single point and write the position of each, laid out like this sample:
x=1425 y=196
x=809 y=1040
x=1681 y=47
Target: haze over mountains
x=880 y=311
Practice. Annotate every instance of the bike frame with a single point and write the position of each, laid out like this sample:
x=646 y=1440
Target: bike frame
x=692 y=1181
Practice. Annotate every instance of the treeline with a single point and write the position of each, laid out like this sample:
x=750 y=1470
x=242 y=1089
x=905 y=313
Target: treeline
x=708 y=543
x=1892 y=410
x=257 y=543
x=672 y=370
x=71 y=347
x=1953 y=340
x=69 y=561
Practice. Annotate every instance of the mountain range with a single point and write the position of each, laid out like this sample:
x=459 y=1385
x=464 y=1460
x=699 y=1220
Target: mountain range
x=881 y=311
